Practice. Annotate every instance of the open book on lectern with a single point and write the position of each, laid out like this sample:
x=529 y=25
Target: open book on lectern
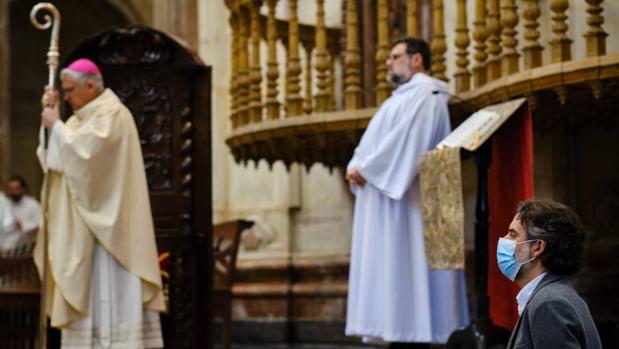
x=478 y=127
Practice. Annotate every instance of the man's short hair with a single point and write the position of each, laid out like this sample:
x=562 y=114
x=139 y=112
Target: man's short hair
x=416 y=45
x=562 y=230
x=81 y=78
x=21 y=180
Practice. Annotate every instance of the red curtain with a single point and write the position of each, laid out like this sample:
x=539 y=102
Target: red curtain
x=510 y=182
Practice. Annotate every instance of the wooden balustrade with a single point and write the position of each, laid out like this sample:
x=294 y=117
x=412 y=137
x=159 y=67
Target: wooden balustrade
x=493 y=31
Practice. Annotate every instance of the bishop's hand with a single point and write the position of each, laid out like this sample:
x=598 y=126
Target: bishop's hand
x=51 y=111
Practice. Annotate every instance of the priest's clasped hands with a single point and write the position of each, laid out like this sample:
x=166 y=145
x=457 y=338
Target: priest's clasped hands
x=51 y=111
x=354 y=177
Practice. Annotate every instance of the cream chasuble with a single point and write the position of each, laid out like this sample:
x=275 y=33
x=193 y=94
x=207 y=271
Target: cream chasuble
x=99 y=219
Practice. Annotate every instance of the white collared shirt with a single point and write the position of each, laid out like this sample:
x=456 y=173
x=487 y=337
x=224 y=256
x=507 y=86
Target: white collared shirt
x=523 y=296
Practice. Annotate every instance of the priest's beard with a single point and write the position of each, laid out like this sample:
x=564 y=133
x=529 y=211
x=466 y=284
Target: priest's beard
x=16 y=198
x=399 y=79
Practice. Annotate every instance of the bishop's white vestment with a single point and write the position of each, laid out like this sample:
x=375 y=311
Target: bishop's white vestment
x=392 y=295
x=103 y=286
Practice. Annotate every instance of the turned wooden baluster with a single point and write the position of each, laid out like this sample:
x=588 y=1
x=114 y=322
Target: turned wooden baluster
x=352 y=61
x=560 y=44
x=255 y=77
x=243 y=73
x=234 y=68
x=294 y=100
x=596 y=36
x=411 y=18
x=532 y=50
x=383 y=88
x=322 y=98
x=307 y=103
x=480 y=33
x=509 y=20
x=494 y=49
x=331 y=80
x=438 y=45
x=272 y=104
x=463 y=76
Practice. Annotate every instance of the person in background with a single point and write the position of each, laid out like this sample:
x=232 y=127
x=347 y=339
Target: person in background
x=393 y=296
x=26 y=209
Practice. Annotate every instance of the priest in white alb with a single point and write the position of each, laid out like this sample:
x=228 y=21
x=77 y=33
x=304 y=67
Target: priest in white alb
x=393 y=296
x=26 y=212
x=103 y=281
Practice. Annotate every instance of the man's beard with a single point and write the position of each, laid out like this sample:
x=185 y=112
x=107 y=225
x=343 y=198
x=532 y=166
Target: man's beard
x=397 y=79
x=16 y=198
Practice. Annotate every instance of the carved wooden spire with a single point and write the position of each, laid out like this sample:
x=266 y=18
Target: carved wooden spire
x=307 y=102
x=411 y=18
x=596 y=36
x=532 y=50
x=480 y=33
x=322 y=99
x=243 y=79
x=494 y=41
x=272 y=104
x=294 y=101
x=255 y=76
x=463 y=76
x=352 y=60
x=383 y=89
x=509 y=21
x=560 y=44
x=438 y=46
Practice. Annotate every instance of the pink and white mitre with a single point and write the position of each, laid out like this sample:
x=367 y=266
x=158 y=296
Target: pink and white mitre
x=84 y=66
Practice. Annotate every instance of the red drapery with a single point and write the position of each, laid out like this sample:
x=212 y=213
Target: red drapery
x=510 y=182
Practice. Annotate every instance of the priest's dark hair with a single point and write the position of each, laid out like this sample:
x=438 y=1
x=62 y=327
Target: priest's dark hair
x=415 y=45
x=21 y=180
x=560 y=227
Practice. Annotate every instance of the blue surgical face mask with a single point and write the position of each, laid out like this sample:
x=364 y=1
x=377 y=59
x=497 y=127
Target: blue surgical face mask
x=506 y=257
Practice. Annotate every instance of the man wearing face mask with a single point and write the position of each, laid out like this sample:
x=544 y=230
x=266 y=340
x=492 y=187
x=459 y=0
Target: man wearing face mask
x=392 y=294
x=542 y=248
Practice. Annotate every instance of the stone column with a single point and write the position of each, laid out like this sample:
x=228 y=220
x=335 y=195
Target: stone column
x=178 y=18
x=4 y=89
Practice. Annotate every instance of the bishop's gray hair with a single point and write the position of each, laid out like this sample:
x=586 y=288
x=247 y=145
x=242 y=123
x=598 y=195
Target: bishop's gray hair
x=81 y=78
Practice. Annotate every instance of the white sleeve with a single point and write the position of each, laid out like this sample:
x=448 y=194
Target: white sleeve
x=41 y=152
x=54 y=161
x=33 y=217
x=7 y=220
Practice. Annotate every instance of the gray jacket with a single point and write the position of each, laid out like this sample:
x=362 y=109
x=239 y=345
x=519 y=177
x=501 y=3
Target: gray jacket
x=555 y=317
